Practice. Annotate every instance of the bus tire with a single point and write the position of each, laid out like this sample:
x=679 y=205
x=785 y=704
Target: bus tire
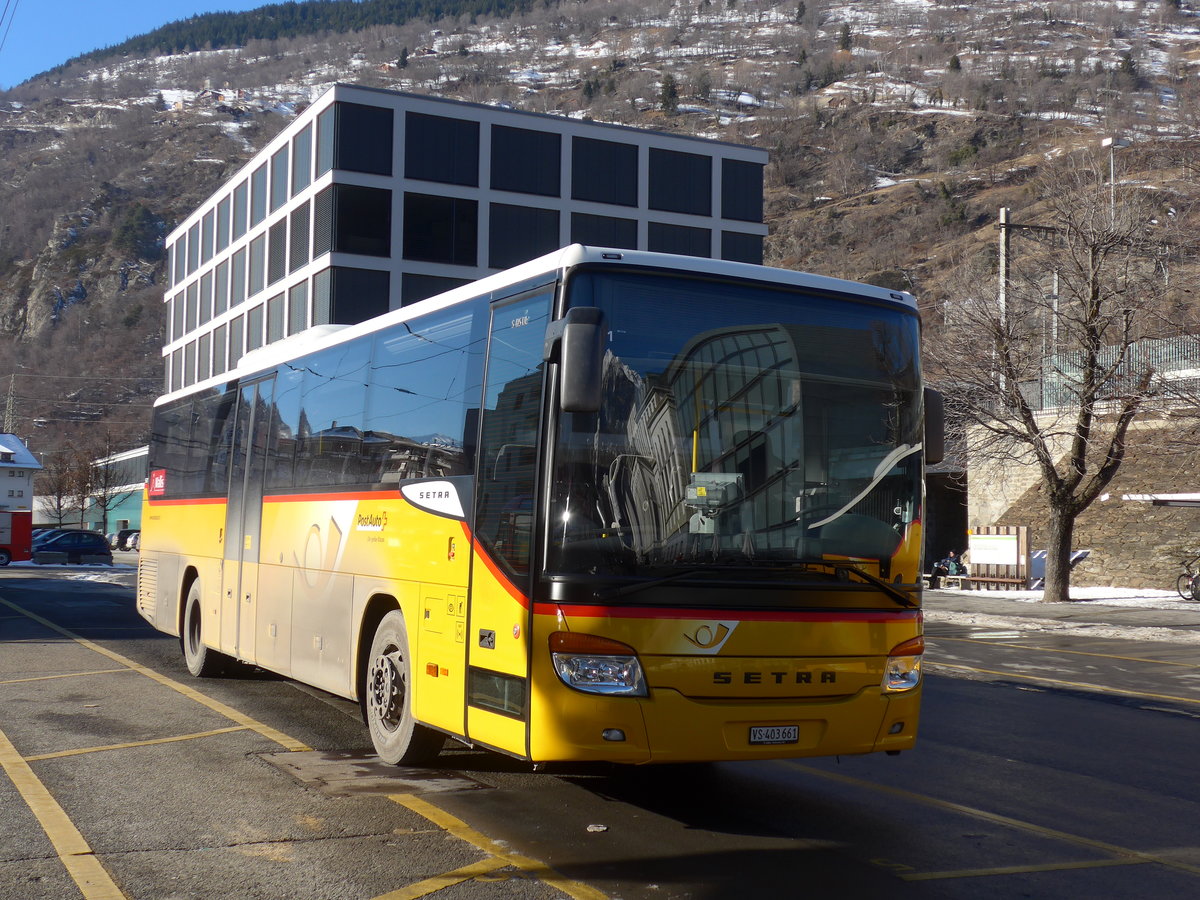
x=202 y=661
x=5 y=557
x=387 y=700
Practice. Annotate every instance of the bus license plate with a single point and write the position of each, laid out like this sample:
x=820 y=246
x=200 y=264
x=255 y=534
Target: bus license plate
x=774 y=734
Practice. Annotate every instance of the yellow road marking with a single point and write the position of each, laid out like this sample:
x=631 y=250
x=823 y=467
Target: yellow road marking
x=1074 y=684
x=1160 y=662
x=73 y=851
x=1124 y=853
x=465 y=832
x=62 y=675
x=448 y=879
x=283 y=740
x=1023 y=870
x=127 y=745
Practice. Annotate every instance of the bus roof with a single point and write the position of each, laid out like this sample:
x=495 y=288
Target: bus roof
x=544 y=268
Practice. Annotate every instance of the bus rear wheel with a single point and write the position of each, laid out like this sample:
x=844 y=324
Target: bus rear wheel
x=387 y=699
x=202 y=661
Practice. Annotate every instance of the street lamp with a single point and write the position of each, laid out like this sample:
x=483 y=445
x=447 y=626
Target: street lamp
x=1112 y=143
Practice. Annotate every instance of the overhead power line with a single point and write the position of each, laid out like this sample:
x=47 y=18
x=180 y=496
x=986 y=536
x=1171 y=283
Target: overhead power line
x=10 y=16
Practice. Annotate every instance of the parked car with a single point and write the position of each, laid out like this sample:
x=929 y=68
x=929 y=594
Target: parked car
x=74 y=547
x=135 y=541
x=44 y=534
x=124 y=537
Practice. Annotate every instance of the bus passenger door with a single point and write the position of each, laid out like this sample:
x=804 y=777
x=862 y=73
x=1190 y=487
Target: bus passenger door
x=243 y=517
x=498 y=687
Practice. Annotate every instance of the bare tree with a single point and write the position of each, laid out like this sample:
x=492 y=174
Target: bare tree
x=107 y=486
x=57 y=486
x=1052 y=359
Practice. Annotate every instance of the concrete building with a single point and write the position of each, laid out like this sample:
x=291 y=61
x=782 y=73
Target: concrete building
x=373 y=199
x=18 y=466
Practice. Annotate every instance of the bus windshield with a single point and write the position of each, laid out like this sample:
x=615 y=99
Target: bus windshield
x=741 y=426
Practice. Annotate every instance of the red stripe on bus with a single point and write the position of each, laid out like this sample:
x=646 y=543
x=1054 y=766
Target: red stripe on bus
x=497 y=573
x=742 y=615
x=355 y=496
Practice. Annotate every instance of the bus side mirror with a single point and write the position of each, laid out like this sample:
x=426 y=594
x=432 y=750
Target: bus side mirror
x=935 y=427
x=576 y=343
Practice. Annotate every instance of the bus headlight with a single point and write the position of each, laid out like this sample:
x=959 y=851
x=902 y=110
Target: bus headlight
x=903 y=672
x=597 y=665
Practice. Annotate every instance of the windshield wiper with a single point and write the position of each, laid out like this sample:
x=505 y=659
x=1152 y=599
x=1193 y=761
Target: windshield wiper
x=800 y=565
x=891 y=590
x=653 y=582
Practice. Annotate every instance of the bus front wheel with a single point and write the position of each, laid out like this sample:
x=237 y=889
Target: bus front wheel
x=387 y=700
x=202 y=661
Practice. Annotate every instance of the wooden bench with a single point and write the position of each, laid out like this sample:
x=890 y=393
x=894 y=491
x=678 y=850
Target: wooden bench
x=1018 y=584
x=957 y=582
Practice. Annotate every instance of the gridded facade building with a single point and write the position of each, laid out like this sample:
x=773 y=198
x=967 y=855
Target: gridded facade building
x=374 y=199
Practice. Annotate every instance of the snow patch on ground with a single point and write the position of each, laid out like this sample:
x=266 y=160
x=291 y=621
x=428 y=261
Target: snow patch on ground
x=1048 y=626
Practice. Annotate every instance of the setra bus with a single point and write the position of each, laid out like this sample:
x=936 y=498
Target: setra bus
x=608 y=505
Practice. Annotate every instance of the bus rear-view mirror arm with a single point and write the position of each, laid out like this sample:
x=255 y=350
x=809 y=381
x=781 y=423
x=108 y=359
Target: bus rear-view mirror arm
x=935 y=427
x=576 y=343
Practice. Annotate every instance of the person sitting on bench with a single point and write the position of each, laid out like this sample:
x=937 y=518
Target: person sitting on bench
x=950 y=565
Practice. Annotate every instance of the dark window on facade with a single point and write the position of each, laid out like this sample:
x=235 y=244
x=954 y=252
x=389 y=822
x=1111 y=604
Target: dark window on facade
x=254 y=328
x=222 y=224
x=302 y=160
x=176 y=370
x=237 y=340
x=237 y=278
x=238 y=222
x=345 y=296
x=206 y=237
x=364 y=139
x=189 y=363
x=172 y=265
x=275 y=318
x=221 y=288
x=279 y=178
x=220 y=349
x=604 y=171
x=193 y=251
x=258 y=195
x=604 y=231
x=258 y=265
x=680 y=182
x=175 y=317
x=681 y=239
x=441 y=229
x=206 y=285
x=326 y=131
x=277 y=251
x=204 y=357
x=192 y=306
x=298 y=238
x=441 y=149
x=420 y=287
x=323 y=222
x=352 y=219
x=321 y=298
x=520 y=233
x=741 y=190
x=738 y=247
x=526 y=161
x=298 y=308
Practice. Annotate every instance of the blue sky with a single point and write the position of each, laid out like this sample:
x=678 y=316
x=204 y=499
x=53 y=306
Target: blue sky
x=36 y=35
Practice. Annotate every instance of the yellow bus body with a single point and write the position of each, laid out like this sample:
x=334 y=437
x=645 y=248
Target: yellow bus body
x=323 y=560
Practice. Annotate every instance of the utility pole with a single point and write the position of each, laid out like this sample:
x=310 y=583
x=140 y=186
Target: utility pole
x=8 y=406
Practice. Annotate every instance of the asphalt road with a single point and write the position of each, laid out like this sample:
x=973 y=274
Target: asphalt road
x=1044 y=768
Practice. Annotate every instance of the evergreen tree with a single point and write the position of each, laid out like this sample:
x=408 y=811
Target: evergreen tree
x=669 y=96
x=845 y=39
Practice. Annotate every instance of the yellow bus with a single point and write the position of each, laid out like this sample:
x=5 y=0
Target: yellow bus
x=608 y=505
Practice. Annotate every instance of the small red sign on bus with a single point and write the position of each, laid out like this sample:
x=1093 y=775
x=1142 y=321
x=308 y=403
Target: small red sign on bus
x=158 y=482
